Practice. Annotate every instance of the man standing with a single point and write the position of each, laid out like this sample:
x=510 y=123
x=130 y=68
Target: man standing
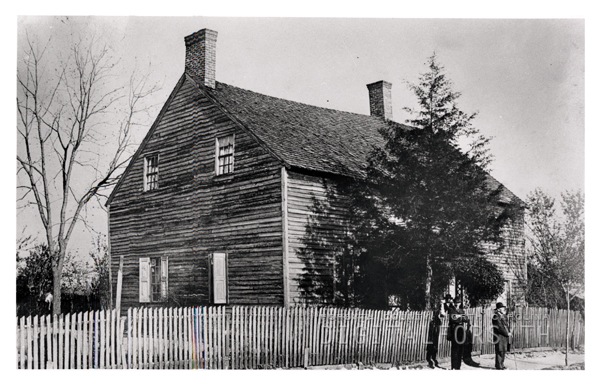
x=468 y=345
x=456 y=332
x=433 y=334
x=501 y=334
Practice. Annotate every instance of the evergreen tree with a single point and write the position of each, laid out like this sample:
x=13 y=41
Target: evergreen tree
x=424 y=212
x=427 y=200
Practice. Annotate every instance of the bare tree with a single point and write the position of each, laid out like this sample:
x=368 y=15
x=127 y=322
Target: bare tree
x=74 y=135
x=558 y=244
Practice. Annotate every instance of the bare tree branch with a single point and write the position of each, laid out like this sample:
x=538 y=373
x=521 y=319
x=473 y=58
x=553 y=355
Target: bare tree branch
x=60 y=118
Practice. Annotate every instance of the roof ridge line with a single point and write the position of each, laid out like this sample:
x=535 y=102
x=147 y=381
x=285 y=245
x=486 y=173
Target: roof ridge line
x=234 y=118
x=300 y=103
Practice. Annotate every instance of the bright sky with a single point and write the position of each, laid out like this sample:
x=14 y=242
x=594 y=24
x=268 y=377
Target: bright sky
x=525 y=77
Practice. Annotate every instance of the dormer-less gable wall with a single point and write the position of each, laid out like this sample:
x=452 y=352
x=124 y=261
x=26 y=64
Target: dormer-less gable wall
x=194 y=213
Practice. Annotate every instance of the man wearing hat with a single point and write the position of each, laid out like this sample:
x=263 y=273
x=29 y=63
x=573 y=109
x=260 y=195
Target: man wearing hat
x=433 y=333
x=501 y=334
x=456 y=332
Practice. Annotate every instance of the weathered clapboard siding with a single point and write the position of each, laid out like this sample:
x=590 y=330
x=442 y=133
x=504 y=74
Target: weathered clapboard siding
x=509 y=256
x=321 y=233
x=314 y=200
x=195 y=213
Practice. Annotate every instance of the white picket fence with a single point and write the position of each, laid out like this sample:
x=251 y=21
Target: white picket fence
x=253 y=337
x=144 y=338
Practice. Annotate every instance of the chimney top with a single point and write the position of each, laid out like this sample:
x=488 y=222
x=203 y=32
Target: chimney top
x=201 y=55
x=380 y=99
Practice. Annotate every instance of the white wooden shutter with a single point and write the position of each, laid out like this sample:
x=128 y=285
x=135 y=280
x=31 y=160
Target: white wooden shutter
x=164 y=277
x=220 y=278
x=144 y=280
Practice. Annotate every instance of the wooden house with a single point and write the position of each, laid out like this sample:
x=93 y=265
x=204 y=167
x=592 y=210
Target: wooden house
x=214 y=205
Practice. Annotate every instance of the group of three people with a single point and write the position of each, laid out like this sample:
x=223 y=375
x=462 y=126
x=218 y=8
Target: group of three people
x=460 y=336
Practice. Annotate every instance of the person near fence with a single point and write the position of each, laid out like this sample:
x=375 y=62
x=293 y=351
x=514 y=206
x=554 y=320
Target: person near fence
x=433 y=333
x=456 y=332
x=48 y=298
x=501 y=335
x=468 y=345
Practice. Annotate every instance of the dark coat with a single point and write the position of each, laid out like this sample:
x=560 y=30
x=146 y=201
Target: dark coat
x=433 y=332
x=501 y=331
x=457 y=325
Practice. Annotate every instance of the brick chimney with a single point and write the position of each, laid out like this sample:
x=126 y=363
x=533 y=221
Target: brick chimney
x=380 y=99
x=201 y=55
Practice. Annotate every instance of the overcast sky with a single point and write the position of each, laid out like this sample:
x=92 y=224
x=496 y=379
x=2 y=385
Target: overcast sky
x=524 y=77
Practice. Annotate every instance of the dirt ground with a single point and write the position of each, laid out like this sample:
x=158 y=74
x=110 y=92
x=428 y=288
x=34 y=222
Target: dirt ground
x=544 y=360
x=530 y=360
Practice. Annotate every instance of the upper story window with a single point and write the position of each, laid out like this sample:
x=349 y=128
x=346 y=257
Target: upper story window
x=224 y=156
x=151 y=172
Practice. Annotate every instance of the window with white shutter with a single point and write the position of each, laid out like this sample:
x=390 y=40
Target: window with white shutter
x=164 y=277
x=155 y=275
x=219 y=275
x=144 y=280
x=154 y=279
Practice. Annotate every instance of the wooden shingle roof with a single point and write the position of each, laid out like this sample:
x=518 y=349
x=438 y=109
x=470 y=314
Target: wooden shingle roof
x=313 y=138
x=304 y=136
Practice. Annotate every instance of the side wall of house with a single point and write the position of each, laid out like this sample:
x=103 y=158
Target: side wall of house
x=316 y=226
x=194 y=213
x=510 y=258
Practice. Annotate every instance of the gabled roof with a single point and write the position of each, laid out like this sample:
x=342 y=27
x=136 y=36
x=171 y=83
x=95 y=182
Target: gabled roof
x=505 y=196
x=303 y=136
x=314 y=138
x=146 y=138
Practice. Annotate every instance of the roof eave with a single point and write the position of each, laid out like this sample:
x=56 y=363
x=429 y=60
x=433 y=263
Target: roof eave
x=146 y=139
x=213 y=98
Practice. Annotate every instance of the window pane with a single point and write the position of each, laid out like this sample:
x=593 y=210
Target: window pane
x=151 y=172
x=225 y=154
x=155 y=279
